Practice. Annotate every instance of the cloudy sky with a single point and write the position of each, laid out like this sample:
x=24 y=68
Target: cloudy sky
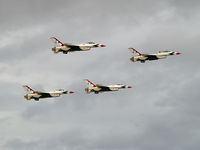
x=161 y=111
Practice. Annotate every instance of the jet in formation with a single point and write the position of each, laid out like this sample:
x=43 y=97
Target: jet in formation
x=99 y=88
x=67 y=47
x=143 y=57
x=36 y=95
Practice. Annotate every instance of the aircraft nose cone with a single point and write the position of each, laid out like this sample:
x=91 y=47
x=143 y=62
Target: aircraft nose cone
x=178 y=53
x=71 y=92
x=102 y=45
x=129 y=87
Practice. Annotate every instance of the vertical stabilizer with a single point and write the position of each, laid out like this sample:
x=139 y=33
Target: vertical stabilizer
x=28 y=89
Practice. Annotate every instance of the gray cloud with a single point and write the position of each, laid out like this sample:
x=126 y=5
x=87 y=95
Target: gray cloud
x=159 y=112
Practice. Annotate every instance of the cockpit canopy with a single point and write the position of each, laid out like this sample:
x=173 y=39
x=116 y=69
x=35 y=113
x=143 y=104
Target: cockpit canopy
x=91 y=43
x=164 y=51
x=61 y=90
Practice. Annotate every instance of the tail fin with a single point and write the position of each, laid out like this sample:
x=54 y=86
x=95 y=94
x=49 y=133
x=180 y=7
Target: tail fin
x=56 y=42
x=28 y=89
x=135 y=52
x=90 y=83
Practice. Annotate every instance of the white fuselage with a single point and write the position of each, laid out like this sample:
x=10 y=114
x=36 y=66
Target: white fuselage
x=101 y=88
x=155 y=56
x=37 y=95
x=84 y=47
x=78 y=47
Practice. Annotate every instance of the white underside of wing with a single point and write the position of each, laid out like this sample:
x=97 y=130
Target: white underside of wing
x=114 y=88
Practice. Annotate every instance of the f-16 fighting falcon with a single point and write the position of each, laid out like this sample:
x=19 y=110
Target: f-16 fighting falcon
x=36 y=95
x=99 y=88
x=66 y=47
x=143 y=57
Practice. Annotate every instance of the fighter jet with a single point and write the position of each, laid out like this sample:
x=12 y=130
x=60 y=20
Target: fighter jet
x=36 y=95
x=99 y=88
x=66 y=47
x=143 y=57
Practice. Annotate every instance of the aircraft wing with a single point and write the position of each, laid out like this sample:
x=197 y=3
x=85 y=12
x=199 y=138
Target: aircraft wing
x=73 y=46
x=150 y=57
x=101 y=86
x=41 y=93
x=69 y=44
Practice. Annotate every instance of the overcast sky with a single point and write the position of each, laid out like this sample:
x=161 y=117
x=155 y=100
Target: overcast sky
x=161 y=111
